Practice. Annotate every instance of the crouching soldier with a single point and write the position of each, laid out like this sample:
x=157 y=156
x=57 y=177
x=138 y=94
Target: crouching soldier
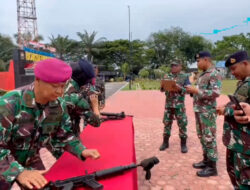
x=32 y=117
x=81 y=96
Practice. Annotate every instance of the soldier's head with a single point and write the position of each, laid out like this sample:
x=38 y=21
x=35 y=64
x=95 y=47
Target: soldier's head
x=83 y=72
x=239 y=64
x=51 y=76
x=176 y=66
x=204 y=60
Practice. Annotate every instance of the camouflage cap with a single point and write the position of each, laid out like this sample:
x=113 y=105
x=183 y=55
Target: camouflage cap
x=236 y=58
x=176 y=62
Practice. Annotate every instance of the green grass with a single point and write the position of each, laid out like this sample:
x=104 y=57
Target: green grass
x=228 y=86
x=133 y=87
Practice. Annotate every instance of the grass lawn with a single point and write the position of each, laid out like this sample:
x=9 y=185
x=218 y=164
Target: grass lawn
x=228 y=86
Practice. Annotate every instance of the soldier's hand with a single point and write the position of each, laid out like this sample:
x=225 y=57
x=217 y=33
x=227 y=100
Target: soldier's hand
x=176 y=88
x=32 y=178
x=238 y=114
x=192 y=90
x=91 y=153
x=220 y=110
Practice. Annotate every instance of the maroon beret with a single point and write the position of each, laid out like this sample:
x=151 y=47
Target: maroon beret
x=52 y=70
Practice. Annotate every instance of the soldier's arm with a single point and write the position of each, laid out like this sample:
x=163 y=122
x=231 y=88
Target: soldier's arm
x=65 y=138
x=9 y=167
x=213 y=90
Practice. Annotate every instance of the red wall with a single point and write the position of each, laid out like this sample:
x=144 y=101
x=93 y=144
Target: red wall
x=7 y=79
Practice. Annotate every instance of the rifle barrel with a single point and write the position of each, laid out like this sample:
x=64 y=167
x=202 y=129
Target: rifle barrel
x=113 y=171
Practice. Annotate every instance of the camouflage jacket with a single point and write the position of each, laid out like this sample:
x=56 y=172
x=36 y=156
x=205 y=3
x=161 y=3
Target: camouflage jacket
x=209 y=86
x=77 y=100
x=236 y=136
x=26 y=126
x=176 y=99
x=100 y=88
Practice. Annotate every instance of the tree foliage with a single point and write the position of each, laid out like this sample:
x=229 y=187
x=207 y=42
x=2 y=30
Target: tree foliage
x=125 y=70
x=231 y=44
x=89 y=43
x=6 y=51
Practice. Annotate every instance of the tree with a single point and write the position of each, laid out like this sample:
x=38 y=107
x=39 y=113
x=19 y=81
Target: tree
x=231 y=44
x=144 y=73
x=167 y=45
x=125 y=70
x=6 y=51
x=194 y=44
x=89 y=44
x=174 y=44
x=61 y=44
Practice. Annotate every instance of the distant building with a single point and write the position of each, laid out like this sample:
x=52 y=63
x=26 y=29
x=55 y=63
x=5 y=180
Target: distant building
x=220 y=66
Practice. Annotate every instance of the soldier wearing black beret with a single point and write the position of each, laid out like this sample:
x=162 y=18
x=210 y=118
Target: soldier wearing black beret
x=205 y=93
x=236 y=135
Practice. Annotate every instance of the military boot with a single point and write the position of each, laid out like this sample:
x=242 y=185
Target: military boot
x=209 y=170
x=202 y=164
x=165 y=143
x=183 y=145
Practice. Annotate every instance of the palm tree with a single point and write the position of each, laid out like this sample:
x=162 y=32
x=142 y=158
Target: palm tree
x=89 y=44
x=61 y=44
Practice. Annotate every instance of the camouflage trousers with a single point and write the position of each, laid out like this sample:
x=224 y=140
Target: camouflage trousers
x=238 y=169
x=181 y=118
x=206 y=132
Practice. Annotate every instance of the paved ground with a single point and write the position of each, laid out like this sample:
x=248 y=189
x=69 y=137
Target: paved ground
x=113 y=87
x=175 y=170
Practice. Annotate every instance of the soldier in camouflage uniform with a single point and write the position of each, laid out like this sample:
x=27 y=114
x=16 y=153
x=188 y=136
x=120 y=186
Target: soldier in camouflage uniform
x=81 y=96
x=208 y=89
x=236 y=136
x=32 y=117
x=175 y=107
x=100 y=87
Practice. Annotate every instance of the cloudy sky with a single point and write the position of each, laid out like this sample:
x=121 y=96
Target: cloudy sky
x=110 y=17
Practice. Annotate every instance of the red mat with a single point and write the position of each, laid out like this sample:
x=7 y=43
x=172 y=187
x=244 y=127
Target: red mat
x=115 y=142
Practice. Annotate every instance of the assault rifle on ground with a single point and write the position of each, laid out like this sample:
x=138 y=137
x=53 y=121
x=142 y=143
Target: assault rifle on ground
x=113 y=116
x=90 y=180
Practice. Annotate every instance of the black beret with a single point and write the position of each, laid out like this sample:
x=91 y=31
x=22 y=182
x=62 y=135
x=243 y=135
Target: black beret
x=87 y=68
x=236 y=58
x=202 y=54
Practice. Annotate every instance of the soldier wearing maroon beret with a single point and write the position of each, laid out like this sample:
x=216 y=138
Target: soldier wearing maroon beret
x=33 y=117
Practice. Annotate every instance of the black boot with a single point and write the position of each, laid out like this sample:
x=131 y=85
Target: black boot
x=165 y=143
x=202 y=164
x=209 y=170
x=183 y=145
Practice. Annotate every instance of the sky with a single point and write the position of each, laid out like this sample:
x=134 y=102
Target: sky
x=212 y=19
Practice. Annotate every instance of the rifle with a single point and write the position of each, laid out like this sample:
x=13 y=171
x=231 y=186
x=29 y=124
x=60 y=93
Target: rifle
x=89 y=180
x=113 y=116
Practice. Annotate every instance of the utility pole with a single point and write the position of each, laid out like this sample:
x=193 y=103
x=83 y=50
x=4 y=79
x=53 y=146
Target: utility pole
x=27 y=20
x=130 y=50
